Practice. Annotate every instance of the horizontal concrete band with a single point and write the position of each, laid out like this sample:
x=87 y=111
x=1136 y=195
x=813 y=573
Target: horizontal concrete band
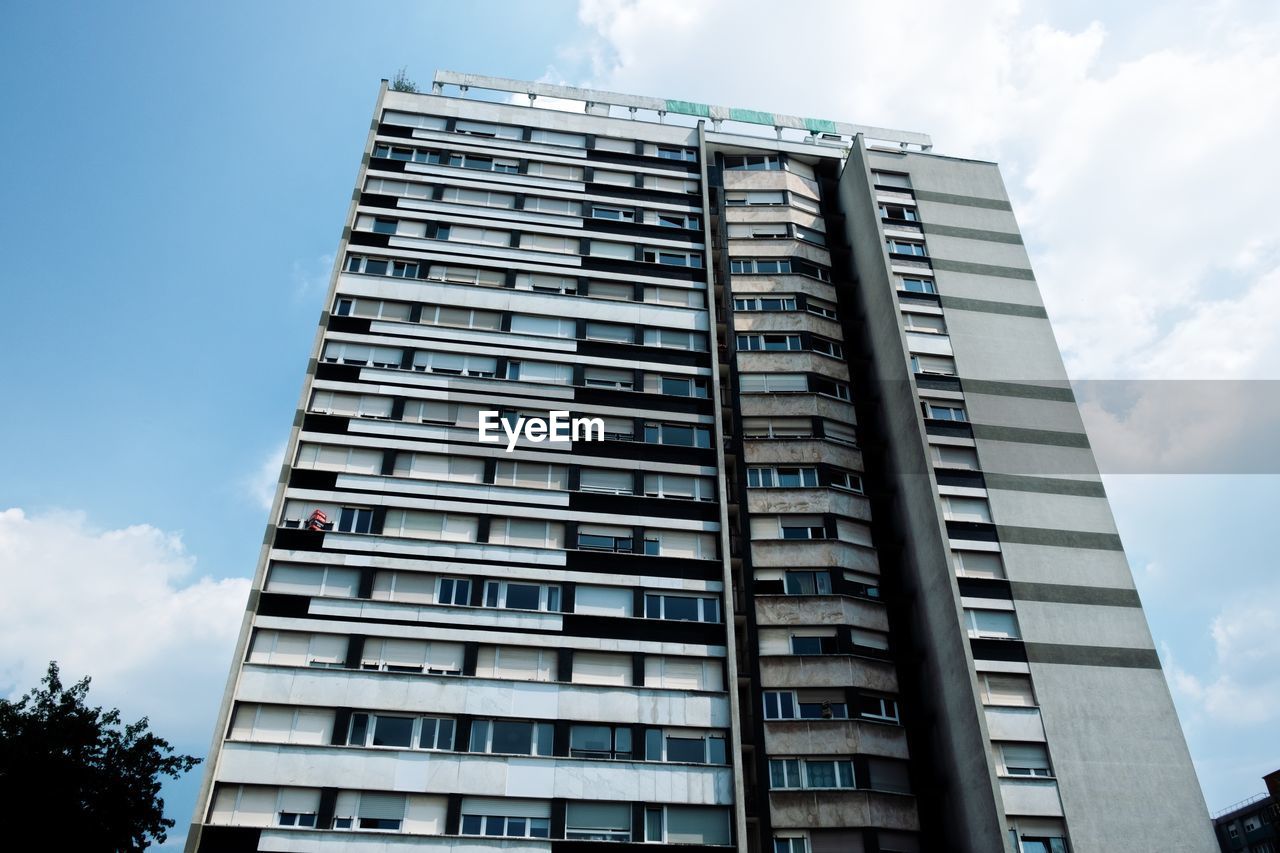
x=963 y=200
x=988 y=306
x=982 y=269
x=972 y=233
x=1022 y=435
x=1092 y=656
x=1062 y=593
x=1059 y=538
x=995 y=388
x=1045 y=485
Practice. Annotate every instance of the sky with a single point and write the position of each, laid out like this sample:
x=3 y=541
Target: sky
x=176 y=177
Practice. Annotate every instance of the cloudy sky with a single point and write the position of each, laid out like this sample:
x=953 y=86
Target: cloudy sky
x=176 y=177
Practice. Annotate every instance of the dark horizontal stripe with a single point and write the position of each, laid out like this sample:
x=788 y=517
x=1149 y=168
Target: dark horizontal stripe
x=990 y=649
x=1046 y=485
x=1022 y=435
x=1063 y=593
x=987 y=306
x=1110 y=656
x=983 y=269
x=963 y=200
x=1059 y=538
x=972 y=233
x=995 y=388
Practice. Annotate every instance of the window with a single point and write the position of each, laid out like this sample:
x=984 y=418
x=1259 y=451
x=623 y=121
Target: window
x=904 y=247
x=682 y=387
x=966 y=509
x=599 y=537
x=541 y=204
x=416 y=656
x=810 y=235
x=790 y=845
x=522 y=596
x=466 y=275
x=675 y=339
x=765 y=303
x=355 y=520
x=336 y=352
x=539 y=371
x=978 y=564
x=516 y=663
x=1006 y=689
x=782 y=478
x=677 y=434
x=846 y=480
x=882 y=708
x=760 y=266
x=600 y=742
x=437 y=466
x=555 y=137
x=602 y=668
x=479 y=198
x=754 y=163
x=488 y=131
x=673 y=259
x=523 y=819
x=769 y=343
x=484 y=164
x=329 y=457
x=677 y=220
x=936 y=365
x=330 y=581
x=939 y=412
x=899 y=212
x=896 y=180
x=755 y=197
x=810 y=773
x=822 y=309
x=685 y=154
x=550 y=243
x=603 y=600
x=801 y=527
x=814 y=645
x=617 y=214
x=1058 y=844
x=511 y=737
x=612 y=332
x=807 y=582
x=926 y=323
x=758 y=428
x=480 y=236
x=685 y=747
x=407 y=189
x=826 y=347
x=779 y=705
x=776 y=383
x=387 y=731
x=438 y=526
x=557 y=171
x=594 y=821
x=681 y=486
x=455 y=591
x=993 y=624
x=546 y=283
x=674 y=673
x=1024 y=759
x=684 y=608
x=841 y=432
x=536 y=475
x=610 y=290
x=917 y=285
x=670 y=185
x=353 y=405
x=606 y=481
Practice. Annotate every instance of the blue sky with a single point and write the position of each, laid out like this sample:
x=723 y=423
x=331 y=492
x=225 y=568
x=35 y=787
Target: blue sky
x=176 y=176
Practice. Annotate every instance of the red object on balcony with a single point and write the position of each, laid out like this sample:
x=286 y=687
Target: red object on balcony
x=317 y=521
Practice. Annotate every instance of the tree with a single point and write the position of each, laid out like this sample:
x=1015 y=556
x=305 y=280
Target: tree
x=77 y=777
x=402 y=83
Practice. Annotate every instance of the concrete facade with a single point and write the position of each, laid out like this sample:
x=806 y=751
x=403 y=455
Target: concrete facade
x=841 y=576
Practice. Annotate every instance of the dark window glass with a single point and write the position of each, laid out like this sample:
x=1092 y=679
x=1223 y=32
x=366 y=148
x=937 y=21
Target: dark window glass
x=384 y=226
x=691 y=750
x=471 y=824
x=622 y=743
x=393 y=731
x=359 y=728
x=522 y=596
x=685 y=609
x=653 y=745
x=589 y=741
x=515 y=738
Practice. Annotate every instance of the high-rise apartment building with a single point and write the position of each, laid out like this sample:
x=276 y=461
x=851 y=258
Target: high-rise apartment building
x=822 y=561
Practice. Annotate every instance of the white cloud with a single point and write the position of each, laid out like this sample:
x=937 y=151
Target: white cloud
x=1127 y=144
x=1244 y=687
x=261 y=485
x=311 y=278
x=122 y=606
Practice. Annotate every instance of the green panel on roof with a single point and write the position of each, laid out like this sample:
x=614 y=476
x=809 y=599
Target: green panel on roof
x=820 y=125
x=753 y=116
x=689 y=108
